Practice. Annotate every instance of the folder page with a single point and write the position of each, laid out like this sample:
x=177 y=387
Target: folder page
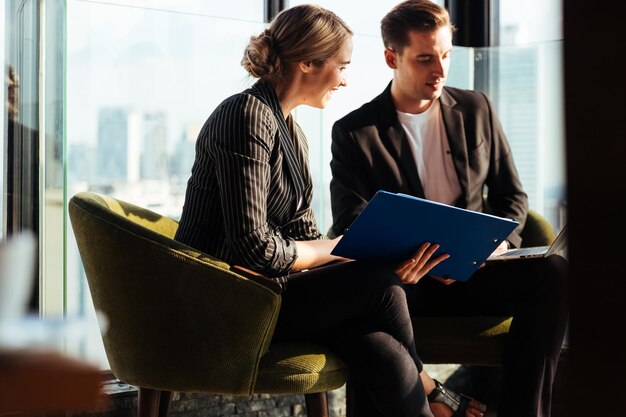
x=392 y=227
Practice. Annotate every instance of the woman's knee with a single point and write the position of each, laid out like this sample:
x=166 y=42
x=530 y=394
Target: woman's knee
x=383 y=288
x=383 y=280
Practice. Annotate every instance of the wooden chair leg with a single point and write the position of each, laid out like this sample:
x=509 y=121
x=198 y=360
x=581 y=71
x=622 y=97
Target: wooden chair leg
x=153 y=402
x=164 y=403
x=317 y=404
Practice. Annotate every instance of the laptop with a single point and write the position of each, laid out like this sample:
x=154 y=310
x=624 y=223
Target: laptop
x=535 y=251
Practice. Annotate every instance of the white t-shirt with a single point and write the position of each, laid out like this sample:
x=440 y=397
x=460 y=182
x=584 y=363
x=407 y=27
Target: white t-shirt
x=429 y=143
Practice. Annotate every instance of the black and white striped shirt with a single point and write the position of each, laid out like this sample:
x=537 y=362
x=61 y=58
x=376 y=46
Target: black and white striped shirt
x=250 y=189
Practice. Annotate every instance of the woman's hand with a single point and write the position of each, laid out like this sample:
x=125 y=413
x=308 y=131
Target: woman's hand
x=313 y=253
x=412 y=270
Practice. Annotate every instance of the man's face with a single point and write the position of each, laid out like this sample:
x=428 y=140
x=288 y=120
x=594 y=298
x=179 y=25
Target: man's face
x=420 y=70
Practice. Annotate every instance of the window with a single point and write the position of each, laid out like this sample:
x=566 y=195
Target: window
x=141 y=82
x=125 y=86
x=529 y=22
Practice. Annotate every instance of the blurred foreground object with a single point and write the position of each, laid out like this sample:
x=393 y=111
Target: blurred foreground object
x=37 y=379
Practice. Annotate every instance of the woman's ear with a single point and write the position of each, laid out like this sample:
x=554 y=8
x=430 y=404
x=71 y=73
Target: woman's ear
x=305 y=66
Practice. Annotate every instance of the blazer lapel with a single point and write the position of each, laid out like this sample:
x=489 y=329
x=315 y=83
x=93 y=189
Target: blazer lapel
x=453 y=122
x=398 y=142
x=296 y=171
x=293 y=168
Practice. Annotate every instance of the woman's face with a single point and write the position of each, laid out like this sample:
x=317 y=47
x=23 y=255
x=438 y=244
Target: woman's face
x=323 y=80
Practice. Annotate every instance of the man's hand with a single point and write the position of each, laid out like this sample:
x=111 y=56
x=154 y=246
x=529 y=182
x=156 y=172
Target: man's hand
x=412 y=270
x=445 y=281
x=504 y=245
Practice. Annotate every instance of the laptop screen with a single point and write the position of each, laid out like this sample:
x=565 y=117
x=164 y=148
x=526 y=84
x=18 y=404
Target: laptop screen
x=559 y=243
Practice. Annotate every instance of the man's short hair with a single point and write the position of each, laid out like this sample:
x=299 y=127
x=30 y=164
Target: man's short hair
x=419 y=15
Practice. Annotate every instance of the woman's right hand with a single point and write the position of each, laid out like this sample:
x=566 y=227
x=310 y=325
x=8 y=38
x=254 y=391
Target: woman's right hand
x=314 y=253
x=412 y=270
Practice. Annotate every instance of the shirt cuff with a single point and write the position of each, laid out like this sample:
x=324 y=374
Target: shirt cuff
x=285 y=254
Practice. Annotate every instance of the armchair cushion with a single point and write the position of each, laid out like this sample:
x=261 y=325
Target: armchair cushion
x=299 y=368
x=466 y=340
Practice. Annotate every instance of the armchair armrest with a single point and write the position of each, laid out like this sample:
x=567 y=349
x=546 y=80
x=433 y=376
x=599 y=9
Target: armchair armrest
x=159 y=299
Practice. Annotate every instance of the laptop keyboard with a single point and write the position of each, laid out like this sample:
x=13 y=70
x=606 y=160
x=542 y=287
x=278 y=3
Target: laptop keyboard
x=527 y=251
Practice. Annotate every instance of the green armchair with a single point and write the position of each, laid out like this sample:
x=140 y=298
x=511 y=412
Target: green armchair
x=474 y=340
x=180 y=320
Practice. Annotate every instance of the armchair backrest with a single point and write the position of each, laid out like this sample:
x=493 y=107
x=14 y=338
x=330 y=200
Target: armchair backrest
x=178 y=319
x=537 y=231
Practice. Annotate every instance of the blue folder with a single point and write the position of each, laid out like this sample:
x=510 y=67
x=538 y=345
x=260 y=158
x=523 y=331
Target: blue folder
x=392 y=227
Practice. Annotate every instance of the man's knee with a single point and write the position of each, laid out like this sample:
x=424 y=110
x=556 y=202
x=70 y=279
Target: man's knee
x=555 y=273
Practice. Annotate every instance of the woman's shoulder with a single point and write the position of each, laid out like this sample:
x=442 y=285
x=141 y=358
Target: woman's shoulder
x=238 y=120
x=245 y=106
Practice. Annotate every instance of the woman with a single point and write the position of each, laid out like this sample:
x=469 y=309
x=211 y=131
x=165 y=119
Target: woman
x=248 y=202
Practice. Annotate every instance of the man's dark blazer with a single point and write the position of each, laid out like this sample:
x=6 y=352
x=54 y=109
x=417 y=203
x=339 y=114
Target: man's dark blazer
x=371 y=152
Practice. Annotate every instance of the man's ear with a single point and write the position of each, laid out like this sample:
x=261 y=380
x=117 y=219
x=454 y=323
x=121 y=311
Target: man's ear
x=391 y=58
x=305 y=66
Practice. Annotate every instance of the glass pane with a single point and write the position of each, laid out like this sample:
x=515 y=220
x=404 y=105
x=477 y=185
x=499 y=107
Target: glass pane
x=531 y=21
x=5 y=115
x=367 y=76
x=363 y=16
x=22 y=134
x=527 y=88
x=461 y=73
x=251 y=10
x=51 y=143
x=137 y=96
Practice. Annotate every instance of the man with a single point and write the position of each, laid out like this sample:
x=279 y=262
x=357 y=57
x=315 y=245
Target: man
x=445 y=144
